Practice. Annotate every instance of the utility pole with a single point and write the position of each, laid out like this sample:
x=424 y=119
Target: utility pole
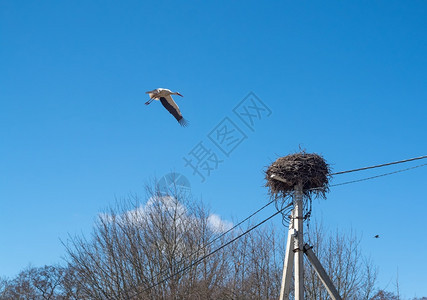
x=299 y=175
x=295 y=250
x=299 y=243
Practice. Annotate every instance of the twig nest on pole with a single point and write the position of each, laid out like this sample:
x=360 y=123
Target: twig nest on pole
x=311 y=170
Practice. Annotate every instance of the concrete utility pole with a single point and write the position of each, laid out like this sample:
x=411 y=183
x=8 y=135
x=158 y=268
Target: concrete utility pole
x=299 y=244
x=295 y=250
x=300 y=176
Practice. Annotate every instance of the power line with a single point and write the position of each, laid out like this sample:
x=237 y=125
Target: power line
x=379 y=166
x=211 y=253
x=381 y=175
x=241 y=222
x=279 y=211
x=218 y=237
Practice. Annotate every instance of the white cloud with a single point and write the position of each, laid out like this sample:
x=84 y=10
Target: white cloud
x=166 y=203
x=139 y=214
x=217 y=224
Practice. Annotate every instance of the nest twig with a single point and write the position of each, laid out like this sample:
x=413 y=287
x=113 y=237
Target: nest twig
x=307 y=169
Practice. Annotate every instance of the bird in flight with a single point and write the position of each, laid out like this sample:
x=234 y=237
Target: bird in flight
x=165 y=97
x=376 y=236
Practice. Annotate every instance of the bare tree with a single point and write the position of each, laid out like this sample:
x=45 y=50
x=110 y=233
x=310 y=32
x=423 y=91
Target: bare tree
x=4 y=283
x=153 y=250
x=385 y=295
x=167 y=247
x=256 y=264
x=353 y=275
x=135 y=247
x=35 y=283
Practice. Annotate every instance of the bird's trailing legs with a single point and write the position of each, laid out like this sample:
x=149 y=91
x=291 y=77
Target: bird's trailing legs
x=149 y=101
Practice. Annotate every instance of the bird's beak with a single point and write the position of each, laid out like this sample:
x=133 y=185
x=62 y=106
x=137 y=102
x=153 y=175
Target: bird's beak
x=179 y=94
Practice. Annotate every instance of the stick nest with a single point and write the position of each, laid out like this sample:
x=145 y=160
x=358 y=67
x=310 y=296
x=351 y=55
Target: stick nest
x=309 y=169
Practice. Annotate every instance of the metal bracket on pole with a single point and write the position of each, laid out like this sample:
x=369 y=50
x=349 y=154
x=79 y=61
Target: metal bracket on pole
x=327 y=282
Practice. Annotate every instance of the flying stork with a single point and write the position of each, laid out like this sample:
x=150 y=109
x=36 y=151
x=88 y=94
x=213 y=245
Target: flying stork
x=165 y=97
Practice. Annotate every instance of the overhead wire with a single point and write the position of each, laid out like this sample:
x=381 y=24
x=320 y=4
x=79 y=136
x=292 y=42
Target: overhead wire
x=276 y=213
x=209 y=254
x=377 y=176
x=379 y=166
x=218 y=237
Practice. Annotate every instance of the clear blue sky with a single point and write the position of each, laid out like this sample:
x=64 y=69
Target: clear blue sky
x=343 y=79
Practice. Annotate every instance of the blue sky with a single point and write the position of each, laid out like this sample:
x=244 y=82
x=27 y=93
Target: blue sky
x=343 y=79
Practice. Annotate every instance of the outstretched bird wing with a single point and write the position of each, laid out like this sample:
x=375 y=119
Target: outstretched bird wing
x=173 y=108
